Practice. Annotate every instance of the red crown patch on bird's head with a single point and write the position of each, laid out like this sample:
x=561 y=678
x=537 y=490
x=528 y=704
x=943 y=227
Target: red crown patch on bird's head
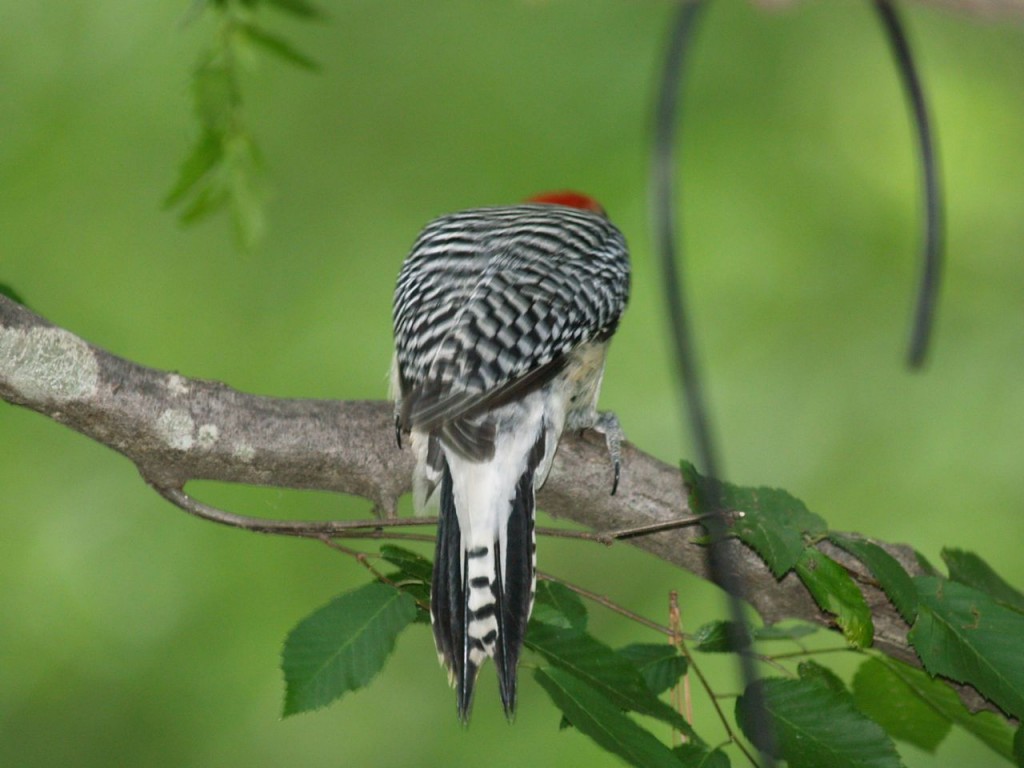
x=570 y=199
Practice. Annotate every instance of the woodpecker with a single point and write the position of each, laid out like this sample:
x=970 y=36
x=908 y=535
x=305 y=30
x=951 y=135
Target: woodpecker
x=502 y=318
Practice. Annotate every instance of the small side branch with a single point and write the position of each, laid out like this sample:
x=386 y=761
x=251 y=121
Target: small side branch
x=308 y=529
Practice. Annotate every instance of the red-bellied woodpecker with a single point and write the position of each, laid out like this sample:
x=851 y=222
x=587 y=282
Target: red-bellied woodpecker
x=502 y=318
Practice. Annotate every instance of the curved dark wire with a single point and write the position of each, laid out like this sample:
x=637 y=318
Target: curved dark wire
x=663 y=198
x=663 y=206
x=932 y=246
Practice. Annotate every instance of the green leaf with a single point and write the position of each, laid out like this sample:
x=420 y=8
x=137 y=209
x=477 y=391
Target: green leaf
x=215 y=95
x=835 y=592
x=660 y=664
x=411 y=564
x=277 y=46
x=208 y=199
x=721 y=637
x=246 y=203
x=596 y=716
x=965 y=635
x=927 y=569
x=412 y=577
x=815 y=672
x=559 y=606
x=696 y=756
x=967 y=568
x=773 y=523
x=816 y=726
x=417 y=590
x=899 y=707
x=892 y=577
x=889 y=704
x=1018 y=746
x=606 y=671
x=204 y=157
x=343 y=645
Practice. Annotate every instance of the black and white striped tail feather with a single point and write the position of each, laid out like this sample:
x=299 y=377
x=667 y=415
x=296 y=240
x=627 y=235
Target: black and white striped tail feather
x=480 y=604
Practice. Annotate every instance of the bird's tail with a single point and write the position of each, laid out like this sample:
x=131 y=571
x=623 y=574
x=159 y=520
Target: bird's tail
x=483 y=588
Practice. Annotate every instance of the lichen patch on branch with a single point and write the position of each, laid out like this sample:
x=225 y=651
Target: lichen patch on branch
x=244 y=452
x=47 y=364
x=176 y=384
x=208 y=435
x=176 y=427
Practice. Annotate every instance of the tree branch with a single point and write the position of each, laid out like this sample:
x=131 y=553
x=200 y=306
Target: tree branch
x=176 y=429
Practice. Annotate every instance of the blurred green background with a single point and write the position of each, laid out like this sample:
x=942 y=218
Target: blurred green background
x=131 y=634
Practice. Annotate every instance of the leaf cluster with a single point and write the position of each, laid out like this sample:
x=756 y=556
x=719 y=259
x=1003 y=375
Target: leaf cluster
x=964 y=627
x=222 y=169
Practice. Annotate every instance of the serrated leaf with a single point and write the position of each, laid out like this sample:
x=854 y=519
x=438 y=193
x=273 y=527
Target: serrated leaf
x=834 y=591
x=660 y=664
x=696 y=756
x=988 y=727
x=343 y=645
x=965 y=635
x=892 y=577
x=788 y=632
x=815 y=672
x=596 y=716
x=278 y=46
x=927 y=569
x=607 y=672
x=721 y=637
x=412 y=577
x=774 y=523
x=907 y=715
x=816 y=726
x=416 y=589
x=559 y=606
x=968 y=568
x=412 y=564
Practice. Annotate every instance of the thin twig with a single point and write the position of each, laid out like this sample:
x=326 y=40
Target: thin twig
x=610 y=537
x=666 y=525
x=309 y=529
x=811 y=652
x=382 y=534
x=681 y=694
x=692 y=664
x=607 y=603
x=375 y=529
x=771 y=663
x=562 y=533
x=363 y=558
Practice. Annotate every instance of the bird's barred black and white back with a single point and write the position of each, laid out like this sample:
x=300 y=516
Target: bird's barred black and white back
x=490 y=295
x=501 y=318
